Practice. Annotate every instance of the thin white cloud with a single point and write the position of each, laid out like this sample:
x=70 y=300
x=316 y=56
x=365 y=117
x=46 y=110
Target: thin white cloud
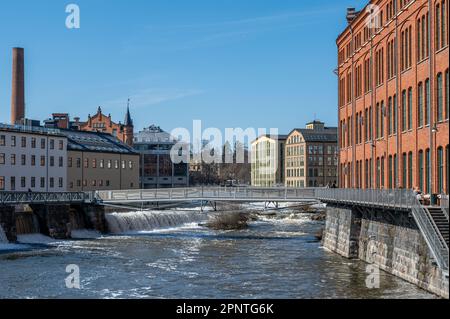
x=170 y=38
x=249 y=21
x=154 y=96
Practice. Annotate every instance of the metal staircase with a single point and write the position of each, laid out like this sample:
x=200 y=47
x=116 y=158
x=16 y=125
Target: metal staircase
x=433 y=228
x=441 y=221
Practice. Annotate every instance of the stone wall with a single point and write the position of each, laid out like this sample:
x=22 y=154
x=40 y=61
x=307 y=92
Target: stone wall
x=401 y=251
x=341 y=232
x=8 y=222
x=390 y=240
x=54 y=220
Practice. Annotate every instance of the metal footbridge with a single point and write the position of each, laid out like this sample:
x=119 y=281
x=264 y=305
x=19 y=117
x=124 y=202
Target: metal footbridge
x=211 y=194
x=384 y=200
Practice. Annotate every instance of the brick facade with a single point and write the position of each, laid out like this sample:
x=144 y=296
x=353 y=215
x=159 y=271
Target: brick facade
x=394 y=96
x=104 y=124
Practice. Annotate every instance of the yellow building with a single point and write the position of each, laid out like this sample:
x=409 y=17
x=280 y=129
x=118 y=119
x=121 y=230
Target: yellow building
x=267 y=158
x=312 y=156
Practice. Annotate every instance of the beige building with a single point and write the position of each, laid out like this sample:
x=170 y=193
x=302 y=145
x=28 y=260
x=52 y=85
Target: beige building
x=312 y=156
x=99 y=161
x=32 y=159
x=267 y=158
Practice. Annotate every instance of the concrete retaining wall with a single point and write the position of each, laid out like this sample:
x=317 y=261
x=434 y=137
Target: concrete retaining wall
x=56 y=221
x=390 y=240
x=8 y=222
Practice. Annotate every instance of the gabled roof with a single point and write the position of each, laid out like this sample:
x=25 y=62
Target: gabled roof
x=95 y=142
x=328 y=134
x=281 y=137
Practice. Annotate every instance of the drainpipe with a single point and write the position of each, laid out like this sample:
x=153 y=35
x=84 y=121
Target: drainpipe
x=353 y=117
x=372 y=161
x=397 y=99
x=431 y=92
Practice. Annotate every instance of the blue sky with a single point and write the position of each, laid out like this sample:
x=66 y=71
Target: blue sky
x=246 y=63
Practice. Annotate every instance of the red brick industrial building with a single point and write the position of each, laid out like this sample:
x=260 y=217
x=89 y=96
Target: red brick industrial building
x=394 y=96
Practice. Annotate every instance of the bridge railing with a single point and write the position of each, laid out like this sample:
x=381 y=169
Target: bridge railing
x=205 y=193
x=394 y=199
x=17 y=198
x=444 y=204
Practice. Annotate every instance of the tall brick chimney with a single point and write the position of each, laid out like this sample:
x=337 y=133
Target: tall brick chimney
x=18 y=86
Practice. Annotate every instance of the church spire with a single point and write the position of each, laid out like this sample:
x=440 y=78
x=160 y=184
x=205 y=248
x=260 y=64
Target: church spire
x=128 y=121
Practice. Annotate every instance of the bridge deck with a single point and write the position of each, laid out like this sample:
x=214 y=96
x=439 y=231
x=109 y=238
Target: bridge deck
x=243 y=194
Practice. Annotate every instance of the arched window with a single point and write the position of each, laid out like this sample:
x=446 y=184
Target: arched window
x=447 y=159
x=440 y=170
x=390 y=176
x=427 y=102
x=427 y=171
x=421 y=170
x=405 y=170
x=378 y=173
x=410 y=109
x=404 y=115
x=447 y=108
x=439 y=98
x=438 y=27
x=410 y=170
x=420 y=105
x=382 y=112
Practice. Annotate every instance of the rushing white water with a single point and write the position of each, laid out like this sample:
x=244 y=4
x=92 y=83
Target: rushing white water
x=3 y=238
x=150 y=220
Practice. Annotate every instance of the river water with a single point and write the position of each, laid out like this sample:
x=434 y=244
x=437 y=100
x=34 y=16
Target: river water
x=276 y=257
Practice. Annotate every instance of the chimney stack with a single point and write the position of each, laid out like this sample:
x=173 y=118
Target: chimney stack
x=18 y=87
x=351 y=14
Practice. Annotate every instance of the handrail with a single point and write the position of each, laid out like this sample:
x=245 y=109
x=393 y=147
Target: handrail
x=431 y=233
x=209 y=193
x=15 y=198
x=444 y=204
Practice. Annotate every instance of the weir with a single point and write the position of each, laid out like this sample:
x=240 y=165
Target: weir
x=150 y=220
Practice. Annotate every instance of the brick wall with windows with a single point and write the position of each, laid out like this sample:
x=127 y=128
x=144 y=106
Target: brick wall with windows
x=403 y=114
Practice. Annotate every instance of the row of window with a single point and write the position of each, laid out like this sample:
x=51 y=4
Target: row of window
x=296 y=184
x=313 y=172
x=32 y=161
x=409 y=165
x=387 y=114
x=31 y=182
x=92 y=183
x=422 y=38
x=32 y=142
x=95 y=163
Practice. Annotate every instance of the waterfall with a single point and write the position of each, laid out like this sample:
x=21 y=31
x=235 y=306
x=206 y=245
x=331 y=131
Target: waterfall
x=150 y=220
x=3 y=238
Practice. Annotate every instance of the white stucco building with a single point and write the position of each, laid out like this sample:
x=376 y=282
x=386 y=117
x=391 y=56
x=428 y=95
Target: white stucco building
x=32 y=158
